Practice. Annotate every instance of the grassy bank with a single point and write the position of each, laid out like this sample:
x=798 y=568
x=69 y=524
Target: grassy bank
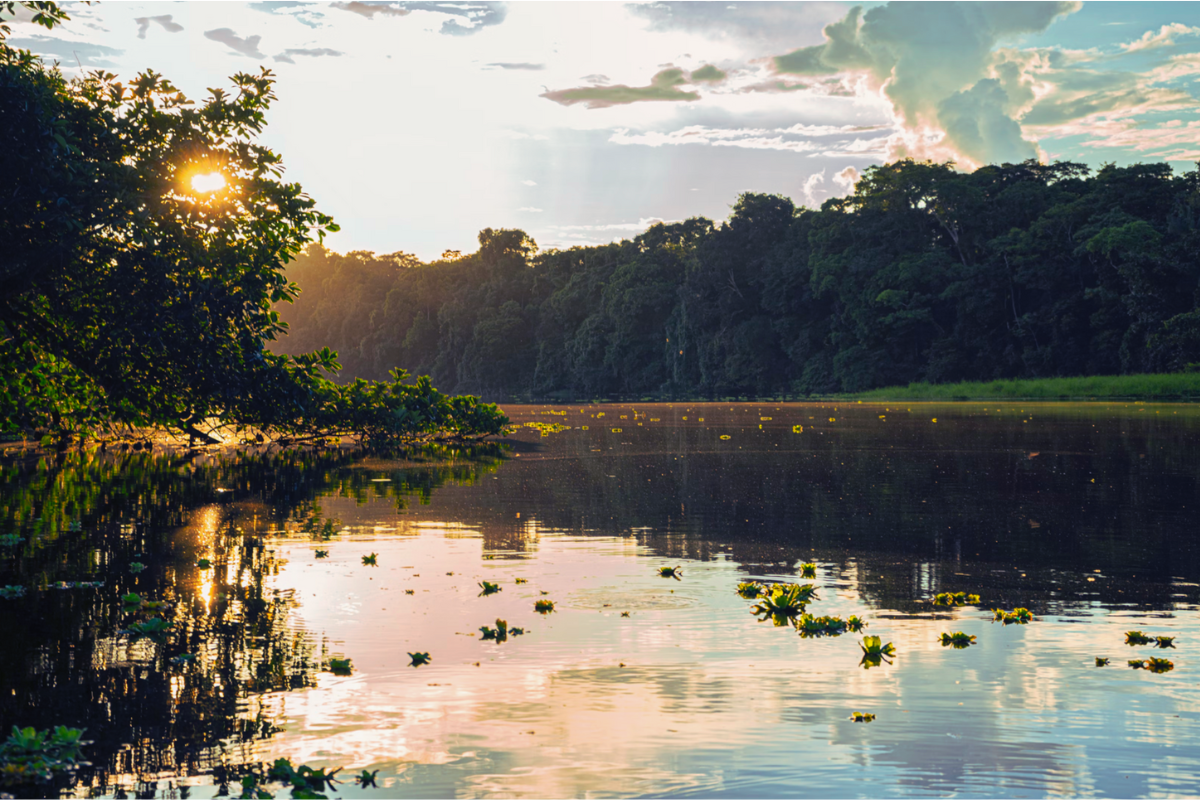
x=1173 y=386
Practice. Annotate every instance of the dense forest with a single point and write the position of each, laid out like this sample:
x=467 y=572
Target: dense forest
x=924 y=273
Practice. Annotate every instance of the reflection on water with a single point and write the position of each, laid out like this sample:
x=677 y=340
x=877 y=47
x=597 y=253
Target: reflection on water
x=635 y=683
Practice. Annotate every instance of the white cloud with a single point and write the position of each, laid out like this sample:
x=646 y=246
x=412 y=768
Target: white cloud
x=847 y=178
x=529 y=183
x=811 y=187
x=1164 y=38
x=530 y=209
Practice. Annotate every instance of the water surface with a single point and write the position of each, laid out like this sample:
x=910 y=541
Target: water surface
x=1079 y=512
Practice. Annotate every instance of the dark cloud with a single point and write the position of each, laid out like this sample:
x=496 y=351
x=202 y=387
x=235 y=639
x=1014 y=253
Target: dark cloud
x=369 y=10
x=316 y=52
x=81 y=53
x=516 y=65
x=246 y=47
x=709 y=74
x=663 y=86
x=164 y=21
x=759 y=26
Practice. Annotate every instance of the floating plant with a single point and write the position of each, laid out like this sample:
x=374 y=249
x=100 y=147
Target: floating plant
x=854 y=624
x=1101 y=662
x=203 y=563
x=543 y=606
x=366 y=778
x=1018 y=616
x=154 y=628
x=1137 y=663
x=670 y=572
x=1137 y=637
x=488 y=588
x=1159 y=665
x=862 y=716
x=419 y=658
x=516 y=631
x=8 y=592
x=305 y=781
x=370 y=561
x=958 y=640
x=810 y=626
x=750 y=590
x=955 y=599
x=136 y=567
x=875 y=652
x=498 y=633
x=131 y=599
x=624 y=613
x=808 y=570
x=183 y=658
x=410 y=591
x=32 y=756
x=785 y=600
x=9 y=539
x=153 y=605
x=322 y=554
x=521 y=580
x=1165 y=641
x=340 y=666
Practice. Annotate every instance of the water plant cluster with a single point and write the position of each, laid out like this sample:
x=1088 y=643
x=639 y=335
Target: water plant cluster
x=29 y=756
x=955 y=599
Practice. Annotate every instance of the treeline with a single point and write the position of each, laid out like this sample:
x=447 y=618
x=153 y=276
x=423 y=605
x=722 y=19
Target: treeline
x=923 y=274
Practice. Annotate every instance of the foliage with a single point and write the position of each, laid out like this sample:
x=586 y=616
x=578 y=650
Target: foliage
x=750 y=589
x=8 y=592
x=370 y=560
x=808 y=570
x=1013 y=272
x=1101 y=662
x=543 y=606
x=955 y=599
x=670 y=572
x=498 y=633
x=366 y=778
x=1137 y=637
x=1165 y=641
x=875 y=652
x=154 y=628
x=958 y=640
x=810 y=626
x=136 y=567
x=340 y=666
x=1018 y=616
x=129 y=299
x=488 y=588
x=1159 y=664
x=862 y=716
x=785 y=600
x=419 y=658
x=31 y=756
x=321 y=554
x=203 y=563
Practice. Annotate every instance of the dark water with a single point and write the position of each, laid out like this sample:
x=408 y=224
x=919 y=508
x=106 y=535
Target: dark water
x=1082 y=513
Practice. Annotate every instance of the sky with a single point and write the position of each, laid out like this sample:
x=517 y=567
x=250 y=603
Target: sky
x=416 y=124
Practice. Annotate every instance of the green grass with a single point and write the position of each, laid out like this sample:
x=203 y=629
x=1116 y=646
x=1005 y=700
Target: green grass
x=1168 y=386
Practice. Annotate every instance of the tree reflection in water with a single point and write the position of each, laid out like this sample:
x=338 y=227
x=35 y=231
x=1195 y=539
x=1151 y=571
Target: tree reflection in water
x=73 y=524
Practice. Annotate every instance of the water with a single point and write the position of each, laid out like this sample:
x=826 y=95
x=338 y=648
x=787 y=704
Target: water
x=1079 y=512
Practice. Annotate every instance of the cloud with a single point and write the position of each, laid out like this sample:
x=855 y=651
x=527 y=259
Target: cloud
x=369 y=10
x=246 y=47
x=596 y=78
x=847 y=178
x=1164 y=38
x=304 y=13
x=709 y=74
x=316 y=52
x=811 y=187
x=796 y=139
x=758 y=27
x=938 y=66
x=516 y=65
x=777 y=86
x=664 y=86
x=530 y=209
x=640 y=225
x=163 y=20
x=529 y=183
x=88 y=55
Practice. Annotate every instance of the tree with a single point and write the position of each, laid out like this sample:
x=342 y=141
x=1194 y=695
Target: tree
x=130 y=292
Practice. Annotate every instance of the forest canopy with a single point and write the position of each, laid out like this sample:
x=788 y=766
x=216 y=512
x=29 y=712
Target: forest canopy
x=142 y=245
x=924 y=273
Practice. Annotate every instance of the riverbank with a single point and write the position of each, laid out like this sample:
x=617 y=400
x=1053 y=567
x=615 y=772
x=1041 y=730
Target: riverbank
x=1179 y=386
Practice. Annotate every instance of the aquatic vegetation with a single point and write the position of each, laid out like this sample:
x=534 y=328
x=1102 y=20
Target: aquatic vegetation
x=1137 y=637
x=153 y=605
x=498 y=633
x=1165 y=641
x=1101 y=662
x=808 y=570
x=7 y=592
x=154 y=628
x=875 y=652
x=131 y=599
x=488 y=588
x=862 y=716
x=366 y=778
x=955 y=599
x=305 y=781
x=370 y=561
x=322 y=554
x=543 y=606
x=516 y=631
x=203 y=563
x=958 y=640
x=10 y=539
x=1159 y=665
x=1137 y=663
x=410 y=591
x=786 y=600
x=1018 y=616
x=183 y=658
x=340 y=666
x=750 y=589
x=419 y=658
x=520 y=581
x=30 y=756
x=670 y=572
x=854 y=624
x=624 y=613
x=810 y=626
x=136 y=567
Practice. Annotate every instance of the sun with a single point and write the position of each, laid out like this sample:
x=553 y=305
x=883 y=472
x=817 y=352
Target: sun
x=208 y=182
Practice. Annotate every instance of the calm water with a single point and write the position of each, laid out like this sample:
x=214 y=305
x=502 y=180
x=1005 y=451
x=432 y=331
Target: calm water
x=1082 y=513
